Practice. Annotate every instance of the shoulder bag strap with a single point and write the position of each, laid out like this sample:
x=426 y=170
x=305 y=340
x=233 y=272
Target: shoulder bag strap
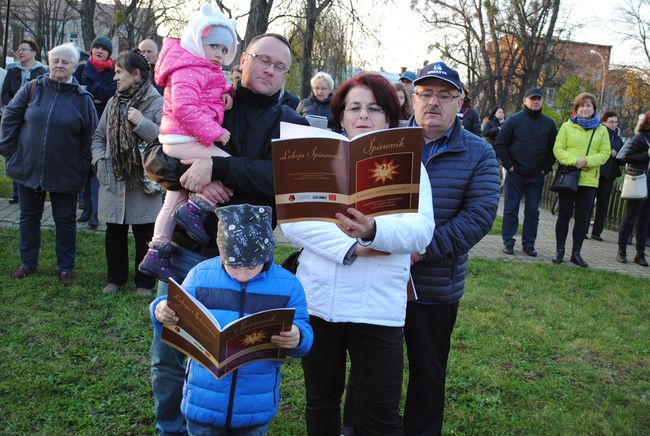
x=590 y=139
x=32 y=91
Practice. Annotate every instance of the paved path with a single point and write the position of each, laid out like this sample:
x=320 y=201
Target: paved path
x=599 y=255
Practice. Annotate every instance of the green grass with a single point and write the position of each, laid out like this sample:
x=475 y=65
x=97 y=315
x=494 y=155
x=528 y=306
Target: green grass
x=5 y=182
x=537 y=349
x=497 y=225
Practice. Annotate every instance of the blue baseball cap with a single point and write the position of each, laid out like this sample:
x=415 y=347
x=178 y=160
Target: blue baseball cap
x=408 y=75
x=440 y=71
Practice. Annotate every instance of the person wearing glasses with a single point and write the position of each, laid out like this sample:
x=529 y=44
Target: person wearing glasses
x=318 y=103
x=28 y=68
x=196 y=97
x=525 y=147
x=246 y=176
x=464 y=177
x=355 y=277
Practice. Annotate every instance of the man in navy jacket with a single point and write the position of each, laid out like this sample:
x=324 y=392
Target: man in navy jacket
x=464 y=177
x=525 y=146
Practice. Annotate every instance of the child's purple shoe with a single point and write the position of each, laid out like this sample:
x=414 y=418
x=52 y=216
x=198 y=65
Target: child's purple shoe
x=191 y=217
x=156 y=262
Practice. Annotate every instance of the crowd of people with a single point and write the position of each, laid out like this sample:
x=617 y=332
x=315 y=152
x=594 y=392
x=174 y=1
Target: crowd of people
x=170 y=117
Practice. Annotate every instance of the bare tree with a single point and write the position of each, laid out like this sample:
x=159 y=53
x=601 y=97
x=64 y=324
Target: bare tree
x=86 y=11
x=44 y=20
x=634 y=18
x=503 y=46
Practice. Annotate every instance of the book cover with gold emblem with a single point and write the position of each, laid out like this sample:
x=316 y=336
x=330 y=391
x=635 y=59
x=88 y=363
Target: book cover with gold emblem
x=223 y=349
x=318 y=173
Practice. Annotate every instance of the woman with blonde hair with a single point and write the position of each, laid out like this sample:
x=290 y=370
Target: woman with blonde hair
x=318 y=103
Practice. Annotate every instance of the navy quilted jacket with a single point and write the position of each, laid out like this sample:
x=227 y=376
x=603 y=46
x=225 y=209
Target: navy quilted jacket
x=465 y=190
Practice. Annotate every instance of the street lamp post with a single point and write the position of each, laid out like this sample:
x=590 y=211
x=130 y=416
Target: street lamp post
x=602 y=87
x=5 y=48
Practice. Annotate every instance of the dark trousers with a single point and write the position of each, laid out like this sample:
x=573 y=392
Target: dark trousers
x=603 y=193
x=116 y=244
x=636 y=212
x=376 y=357
x=577 y=204
x=427 y=332
x=530 y=188
x=14 y=189
x=64 y=209
x=91 y=193
x=167 y=364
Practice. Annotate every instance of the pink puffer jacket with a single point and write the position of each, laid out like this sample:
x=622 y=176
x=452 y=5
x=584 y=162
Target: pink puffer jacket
x=193 y=90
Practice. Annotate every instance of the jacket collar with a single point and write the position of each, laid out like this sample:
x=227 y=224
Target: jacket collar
x=454 y=143
x=245 y=95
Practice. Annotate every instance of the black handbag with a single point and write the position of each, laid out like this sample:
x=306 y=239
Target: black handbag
x=566 y=177
x=161 y=168
x=291 y=262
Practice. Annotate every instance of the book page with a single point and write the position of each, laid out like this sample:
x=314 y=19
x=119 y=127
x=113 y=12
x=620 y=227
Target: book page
x=294 y=131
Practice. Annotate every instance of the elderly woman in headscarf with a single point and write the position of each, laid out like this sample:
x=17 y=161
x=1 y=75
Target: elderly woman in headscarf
x=46 y=134
x=131 y=119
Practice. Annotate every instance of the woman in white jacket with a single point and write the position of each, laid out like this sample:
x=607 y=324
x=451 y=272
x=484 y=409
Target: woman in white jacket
x=355 y=277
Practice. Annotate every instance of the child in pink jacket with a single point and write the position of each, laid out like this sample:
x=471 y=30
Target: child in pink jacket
x=196 y=95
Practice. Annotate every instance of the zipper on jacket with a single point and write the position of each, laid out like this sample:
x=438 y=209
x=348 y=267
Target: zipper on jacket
x=334 y=288
x=48 y=119
x=233 y=380
x=275 y=386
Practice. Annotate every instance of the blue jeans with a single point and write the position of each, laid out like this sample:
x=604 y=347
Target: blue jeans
x=167 y=364
x=195 y=428
x=64 y=211
x=531 y=188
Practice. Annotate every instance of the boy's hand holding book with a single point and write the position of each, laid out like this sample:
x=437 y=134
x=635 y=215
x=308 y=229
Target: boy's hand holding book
x=289 y=340
x=164 y=314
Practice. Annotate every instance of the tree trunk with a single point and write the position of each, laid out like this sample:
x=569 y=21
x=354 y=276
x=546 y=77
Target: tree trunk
x=257 y=24
x=305 y=62
x=88 y=22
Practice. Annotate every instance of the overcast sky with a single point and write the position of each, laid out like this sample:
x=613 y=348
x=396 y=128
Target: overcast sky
x=405 y=38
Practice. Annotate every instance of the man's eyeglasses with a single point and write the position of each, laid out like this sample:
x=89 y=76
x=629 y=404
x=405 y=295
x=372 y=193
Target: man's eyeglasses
x=372 y=109
x=20 y=50
x=443 y=97
x=266 y=62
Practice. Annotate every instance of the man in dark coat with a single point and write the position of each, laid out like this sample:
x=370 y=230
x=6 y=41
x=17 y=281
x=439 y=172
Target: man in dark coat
x=464 y=176
x=525 y=146
x=246 y=177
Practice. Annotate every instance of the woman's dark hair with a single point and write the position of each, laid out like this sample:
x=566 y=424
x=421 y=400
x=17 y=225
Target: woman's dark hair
x=607 y=115
x=134 y=60
x=582 y=98
x=406 y=110
x=382 y=90
x=644 y=125
x=494 y=112
x=32 y=45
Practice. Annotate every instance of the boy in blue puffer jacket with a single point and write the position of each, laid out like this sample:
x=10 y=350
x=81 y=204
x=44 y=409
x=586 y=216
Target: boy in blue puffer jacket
x=243 y=280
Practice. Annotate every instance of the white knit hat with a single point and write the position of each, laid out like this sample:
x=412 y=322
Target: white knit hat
x=207 y=17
